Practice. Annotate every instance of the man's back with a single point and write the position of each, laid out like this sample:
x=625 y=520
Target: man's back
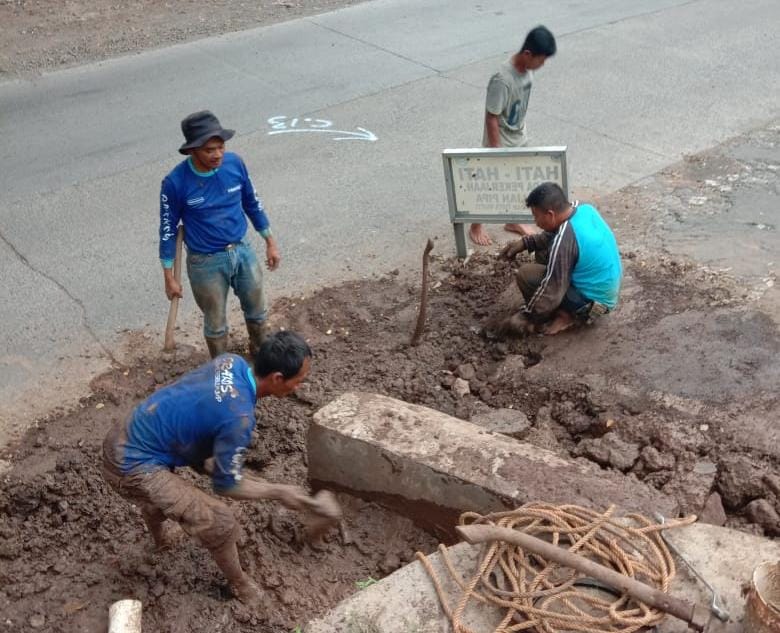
x=598 y=271
x=207 y=412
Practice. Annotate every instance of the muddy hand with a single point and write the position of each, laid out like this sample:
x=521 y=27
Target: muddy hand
x=512 y=250
x=516 y=325
x=323 y=513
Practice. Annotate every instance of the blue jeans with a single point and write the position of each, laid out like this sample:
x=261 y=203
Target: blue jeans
x=213 y=274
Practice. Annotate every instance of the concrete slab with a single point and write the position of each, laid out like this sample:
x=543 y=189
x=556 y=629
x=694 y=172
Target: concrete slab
x=406 y=602
x=431 y=466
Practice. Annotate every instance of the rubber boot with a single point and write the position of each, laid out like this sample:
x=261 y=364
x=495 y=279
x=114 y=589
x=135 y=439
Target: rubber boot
x=244 y=588
x=217 y=345
x=258 y=332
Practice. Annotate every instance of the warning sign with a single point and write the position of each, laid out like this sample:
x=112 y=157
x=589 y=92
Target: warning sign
x=489 y=185
x=496 y=182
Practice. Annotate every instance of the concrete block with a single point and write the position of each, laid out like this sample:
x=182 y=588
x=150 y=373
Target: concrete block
x=431 y=466
x=406 y=602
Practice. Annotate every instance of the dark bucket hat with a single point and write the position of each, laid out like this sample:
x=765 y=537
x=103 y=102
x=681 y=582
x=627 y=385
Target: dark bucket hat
x=199 y=127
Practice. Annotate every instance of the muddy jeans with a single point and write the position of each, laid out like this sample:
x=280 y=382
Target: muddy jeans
x=160 y=494
x=530 y=276
x=213 y=274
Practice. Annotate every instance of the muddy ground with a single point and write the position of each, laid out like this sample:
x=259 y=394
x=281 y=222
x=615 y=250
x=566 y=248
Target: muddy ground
x=43 y=35
x=676 y=388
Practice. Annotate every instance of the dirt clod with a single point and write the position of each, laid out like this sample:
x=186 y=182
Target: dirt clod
x=763 y=513
x=610 y=451
x=713 y=512
x=654 y=460
x=740 y=481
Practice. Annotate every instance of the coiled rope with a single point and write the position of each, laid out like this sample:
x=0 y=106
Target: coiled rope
x=541 y=595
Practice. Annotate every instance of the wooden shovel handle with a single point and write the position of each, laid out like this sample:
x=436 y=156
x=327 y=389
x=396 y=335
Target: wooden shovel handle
x=170 y=343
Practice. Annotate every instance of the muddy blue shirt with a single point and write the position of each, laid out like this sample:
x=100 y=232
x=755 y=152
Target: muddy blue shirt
x=213 y=206
x=208 y=412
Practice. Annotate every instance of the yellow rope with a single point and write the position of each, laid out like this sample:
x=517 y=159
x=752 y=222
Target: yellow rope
x=545 y=597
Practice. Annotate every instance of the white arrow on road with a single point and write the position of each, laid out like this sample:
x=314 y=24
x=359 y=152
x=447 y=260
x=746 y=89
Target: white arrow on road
x=282 y=125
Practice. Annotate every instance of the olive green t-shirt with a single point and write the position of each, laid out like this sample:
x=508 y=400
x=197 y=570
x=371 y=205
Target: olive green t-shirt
x=508 y=93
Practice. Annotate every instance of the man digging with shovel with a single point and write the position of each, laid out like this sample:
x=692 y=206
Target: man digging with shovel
x=205 y=420
x=211 y=194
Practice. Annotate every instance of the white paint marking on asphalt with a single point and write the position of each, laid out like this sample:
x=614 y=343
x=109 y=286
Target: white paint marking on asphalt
x=281 y=125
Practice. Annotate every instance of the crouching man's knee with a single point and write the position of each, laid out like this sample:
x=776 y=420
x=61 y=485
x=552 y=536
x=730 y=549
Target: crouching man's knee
x=220 y=528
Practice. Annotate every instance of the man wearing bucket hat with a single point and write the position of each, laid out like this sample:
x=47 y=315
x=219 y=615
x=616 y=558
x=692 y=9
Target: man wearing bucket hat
x=211 y=195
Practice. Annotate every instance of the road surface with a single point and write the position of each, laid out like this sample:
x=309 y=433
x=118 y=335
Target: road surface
x=635 y=86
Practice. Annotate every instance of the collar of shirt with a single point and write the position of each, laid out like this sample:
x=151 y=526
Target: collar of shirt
x=251 y=377
x=202 y=174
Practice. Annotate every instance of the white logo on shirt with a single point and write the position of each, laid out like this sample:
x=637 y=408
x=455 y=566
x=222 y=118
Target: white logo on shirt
x=195 y=201
x=224 y=379
x=237 y=463
x=236 y=188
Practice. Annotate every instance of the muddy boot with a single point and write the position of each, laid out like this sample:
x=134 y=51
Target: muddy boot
x=217 y=345
x=258 y=332
x=244 y=588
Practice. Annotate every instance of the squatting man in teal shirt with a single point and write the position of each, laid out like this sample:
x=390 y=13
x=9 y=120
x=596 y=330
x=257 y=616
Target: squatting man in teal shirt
x=205 y=420
x=212 y=195
x=577 y=271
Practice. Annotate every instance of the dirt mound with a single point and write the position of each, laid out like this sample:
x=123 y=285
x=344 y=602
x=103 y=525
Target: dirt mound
x=70 y=547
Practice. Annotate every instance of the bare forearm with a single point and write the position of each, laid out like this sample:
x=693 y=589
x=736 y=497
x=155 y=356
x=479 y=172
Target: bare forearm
x=491 y=125
x=251 y=488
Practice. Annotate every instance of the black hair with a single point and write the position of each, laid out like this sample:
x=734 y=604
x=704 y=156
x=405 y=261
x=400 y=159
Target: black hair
x=284 y=352
x=548 y=195
x=540 y=41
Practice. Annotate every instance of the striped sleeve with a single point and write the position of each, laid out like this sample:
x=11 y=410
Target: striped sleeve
x=563 y=254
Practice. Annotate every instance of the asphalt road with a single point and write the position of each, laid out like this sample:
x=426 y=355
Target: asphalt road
x=635 y=86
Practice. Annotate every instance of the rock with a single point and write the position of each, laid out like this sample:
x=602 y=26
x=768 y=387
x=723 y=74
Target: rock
x=739 y=482
x=506 y=421
x=466 y=371
x=544 y=416
x=713 y=512
x=460 y=387
x=447 y=380
x=390 y=563
x=37 y=621
x=574 y=421
x=159 y=377
x=691 y=489
x=773 y=483
x=476 y=385
x=485 y=394
x=762 y=512
x=610 y=450
x=655 y=460
x=705 y=468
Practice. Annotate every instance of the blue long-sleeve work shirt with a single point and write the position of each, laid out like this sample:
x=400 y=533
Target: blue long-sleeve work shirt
x=213 y=207
x=208 y=412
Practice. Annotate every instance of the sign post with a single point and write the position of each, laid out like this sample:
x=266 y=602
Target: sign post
x=490 y=185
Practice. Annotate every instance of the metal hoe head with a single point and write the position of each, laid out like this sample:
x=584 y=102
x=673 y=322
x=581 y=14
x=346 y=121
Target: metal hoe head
x=718 y=610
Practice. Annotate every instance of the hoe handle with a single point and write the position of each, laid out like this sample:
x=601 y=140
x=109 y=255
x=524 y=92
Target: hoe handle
x=170 y=343
x=695 y=615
